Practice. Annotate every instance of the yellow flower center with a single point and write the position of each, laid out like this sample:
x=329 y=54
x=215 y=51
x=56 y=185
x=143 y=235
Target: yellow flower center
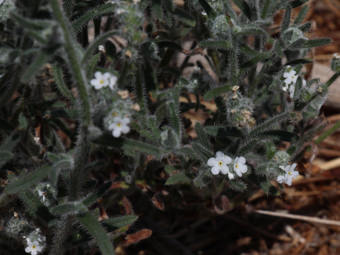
x=220 y=163
x=119 y=124
x=236 y=165
x=101 y=81
x=290 y=173
x=33 y=246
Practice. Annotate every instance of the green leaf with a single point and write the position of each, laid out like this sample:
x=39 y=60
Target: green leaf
x=138 y=146
x=98 y=232
x=202 y=136
x=215 y=92
x=302 y=14
x=202 y=151
x=179 y=178
x=283 y=135
x=69 y=208
x=26 y=181
x=59 y=80
x=39 y=61
x=82 y=21
x=30 y=24
x=316 y=42
x=121 y=221
x=216 y=44
x=286 y=19
x=265 y=9
x=101 y=191
x=259 y=58
x=270 y=123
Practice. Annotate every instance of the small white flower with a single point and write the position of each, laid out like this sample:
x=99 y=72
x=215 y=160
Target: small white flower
x=101 y=48
x=112 y=81
x=289 y=174
x=219 y=164
x=240 y=166
x=101 y=80
x=33 y=247
x=336 y=56
x=119 y=126
x=290 y=76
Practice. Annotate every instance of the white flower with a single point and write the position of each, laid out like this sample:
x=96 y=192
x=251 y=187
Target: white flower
x=240 y=166
x=102 y=80
x=336 y=56
x=112 y=81
x=101 y=48
x=119 y=125
x=33 y=247
x=290 y=76
x=220 y=164
x=289 y=174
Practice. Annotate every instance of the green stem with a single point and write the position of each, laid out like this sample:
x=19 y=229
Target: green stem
x=327 y=133
x=74 y=61
x=81 y=149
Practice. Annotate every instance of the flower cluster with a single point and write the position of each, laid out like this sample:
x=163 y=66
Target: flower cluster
x=289 y=174
x=290 y=78
x=240 y=109
x=102 y=80
x=221 y=163
x=35 y=242
x=118 y=119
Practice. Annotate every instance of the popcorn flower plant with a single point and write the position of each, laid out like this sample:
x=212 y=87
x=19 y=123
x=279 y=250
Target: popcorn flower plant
x=95 y=91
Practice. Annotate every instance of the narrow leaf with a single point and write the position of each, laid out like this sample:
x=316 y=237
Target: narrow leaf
x=179 y=178
x=28 y=180
x=35 y=66
x=121 y=221
x=69 y=208
x=98 y=232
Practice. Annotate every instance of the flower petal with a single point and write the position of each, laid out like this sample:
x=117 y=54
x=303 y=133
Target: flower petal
x=227 y=159
x=219 y=154
x=225 y=170
x=215 y=170
x=212 y=162
x=116 y=132
x=125 y=120
x=125 y=129
x=98 y=75
x=280 y=179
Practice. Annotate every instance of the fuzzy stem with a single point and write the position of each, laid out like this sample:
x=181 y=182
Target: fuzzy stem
x=74 y=61
x=81 y=149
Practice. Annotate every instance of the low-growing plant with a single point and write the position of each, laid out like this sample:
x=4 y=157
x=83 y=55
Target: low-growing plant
x=95 y=109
